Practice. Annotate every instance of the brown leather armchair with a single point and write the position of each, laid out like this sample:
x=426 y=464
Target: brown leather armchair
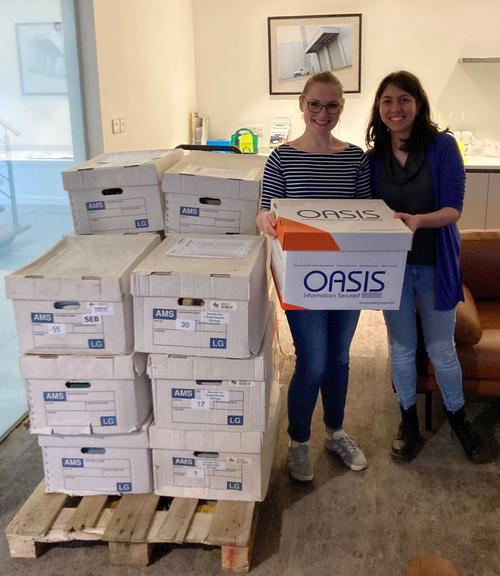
x=477 y=333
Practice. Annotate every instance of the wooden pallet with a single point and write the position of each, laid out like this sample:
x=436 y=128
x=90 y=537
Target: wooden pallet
x=132 y=524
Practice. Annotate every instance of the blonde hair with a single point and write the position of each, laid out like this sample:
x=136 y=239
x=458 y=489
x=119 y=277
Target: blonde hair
x=322 y=78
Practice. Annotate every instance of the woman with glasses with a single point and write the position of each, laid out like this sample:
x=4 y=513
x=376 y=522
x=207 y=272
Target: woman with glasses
x=317 y=165
x=419 y=172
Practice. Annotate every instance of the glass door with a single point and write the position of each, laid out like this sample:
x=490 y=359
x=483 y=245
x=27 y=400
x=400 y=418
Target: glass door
x=41 y=134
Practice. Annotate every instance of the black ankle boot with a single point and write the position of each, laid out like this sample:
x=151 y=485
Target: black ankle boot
x=407 y=441
x=475 y=447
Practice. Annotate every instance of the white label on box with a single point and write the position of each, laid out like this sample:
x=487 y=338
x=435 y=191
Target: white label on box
x=218 y=474
x=223 y=305
x=211 y=248
x=215 y=395
x=195 y=473
x=117 y=214
x=101 y=308
x=247 y=383
x=193 y=218
x=238 y=460
x=200 y=404
x=81 y=407
x=110 y=474
x=47 y=326
x=210 y=406
x=203 y=335
x=93 y=319
x=225 y=173
x=212 y=317
x=56 y=329
x=185 y=324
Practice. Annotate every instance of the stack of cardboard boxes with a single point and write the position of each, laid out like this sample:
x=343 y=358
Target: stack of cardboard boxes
x=88 y=394
x=200 y=309
x=202 y=312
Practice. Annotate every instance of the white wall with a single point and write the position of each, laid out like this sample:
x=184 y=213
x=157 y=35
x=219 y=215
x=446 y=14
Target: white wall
x=426 y=37
x=145 y=61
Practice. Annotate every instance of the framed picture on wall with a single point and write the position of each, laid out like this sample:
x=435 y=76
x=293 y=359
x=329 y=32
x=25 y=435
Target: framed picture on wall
x=41 y=56
x=300 y=46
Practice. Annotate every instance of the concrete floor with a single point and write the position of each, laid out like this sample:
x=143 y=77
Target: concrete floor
x=345 y=523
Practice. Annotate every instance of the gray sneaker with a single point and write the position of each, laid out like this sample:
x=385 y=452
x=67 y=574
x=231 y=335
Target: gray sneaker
x=343 y=445
x=299 y=463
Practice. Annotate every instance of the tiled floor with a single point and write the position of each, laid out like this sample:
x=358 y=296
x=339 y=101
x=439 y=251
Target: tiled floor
x=46 y=225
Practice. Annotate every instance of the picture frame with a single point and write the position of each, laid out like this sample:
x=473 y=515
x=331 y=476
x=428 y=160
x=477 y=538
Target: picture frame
x=300 y=46
x=41 y=57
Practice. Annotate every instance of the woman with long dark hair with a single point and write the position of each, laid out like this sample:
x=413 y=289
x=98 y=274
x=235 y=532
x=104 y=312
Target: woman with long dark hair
x=418 y=171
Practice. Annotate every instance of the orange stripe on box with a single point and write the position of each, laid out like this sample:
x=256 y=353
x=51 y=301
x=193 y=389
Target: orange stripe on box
x=294 y=235
x=284 y=305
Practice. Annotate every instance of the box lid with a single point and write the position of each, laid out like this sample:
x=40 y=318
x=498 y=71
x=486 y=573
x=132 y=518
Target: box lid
x=177 y=367
x=131 y=168
x=345 y=225
x=214 y=440
x=67 y=367
x=198 y=169
x=82 y=267
x=138 y=439
x=200 y=266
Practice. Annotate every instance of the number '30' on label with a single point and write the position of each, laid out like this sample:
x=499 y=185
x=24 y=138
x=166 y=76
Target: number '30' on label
x=185 y=324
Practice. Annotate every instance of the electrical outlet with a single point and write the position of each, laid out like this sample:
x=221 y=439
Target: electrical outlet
x=123 y=124
x=115 y=125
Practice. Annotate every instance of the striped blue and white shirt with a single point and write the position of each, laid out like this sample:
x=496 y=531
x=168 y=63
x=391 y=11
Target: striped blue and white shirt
x=292 y=173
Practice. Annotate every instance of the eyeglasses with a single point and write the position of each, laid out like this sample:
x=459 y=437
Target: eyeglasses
x=315 y=107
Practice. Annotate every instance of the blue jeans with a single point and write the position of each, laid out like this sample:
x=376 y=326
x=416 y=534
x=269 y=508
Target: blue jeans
x=438 y=329
x=322 y=339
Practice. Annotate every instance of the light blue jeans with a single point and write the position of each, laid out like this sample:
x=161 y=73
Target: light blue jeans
x=438 y=329
x=322 y=340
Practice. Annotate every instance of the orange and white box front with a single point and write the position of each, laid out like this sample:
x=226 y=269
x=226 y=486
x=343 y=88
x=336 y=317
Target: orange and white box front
x=338 y=254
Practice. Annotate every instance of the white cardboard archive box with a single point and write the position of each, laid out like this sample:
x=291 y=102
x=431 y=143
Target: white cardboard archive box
x=91 y=465
x=212 y=464
x=203 y=393
x=86 y=394
x=75 y=299
x=119 y=192
x=202 y=295
x=338 y=254
x=209 y=192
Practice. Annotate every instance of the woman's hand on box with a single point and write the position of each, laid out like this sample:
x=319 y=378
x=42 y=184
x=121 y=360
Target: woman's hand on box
x=266 y=222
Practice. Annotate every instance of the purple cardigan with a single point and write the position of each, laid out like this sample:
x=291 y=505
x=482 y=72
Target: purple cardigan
x=448 y=177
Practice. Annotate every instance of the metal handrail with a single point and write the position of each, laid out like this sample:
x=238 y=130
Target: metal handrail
x=10 y=128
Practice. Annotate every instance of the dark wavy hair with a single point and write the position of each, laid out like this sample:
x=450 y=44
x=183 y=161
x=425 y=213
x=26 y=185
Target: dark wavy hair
x=423 y=130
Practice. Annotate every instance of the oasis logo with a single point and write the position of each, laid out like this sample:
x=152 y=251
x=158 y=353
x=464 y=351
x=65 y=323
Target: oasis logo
x=54 y=396
x=339 y=281
x=183 y=393
x=189 y=211
x=97 y=205
x=42 y=317
x=164 y=314
x=340 y=214
x=182 y=461
x=72 y=462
